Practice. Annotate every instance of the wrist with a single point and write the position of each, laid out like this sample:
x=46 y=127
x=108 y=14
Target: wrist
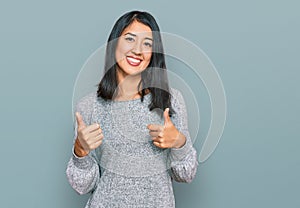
x=181 y=140
x=78 y=149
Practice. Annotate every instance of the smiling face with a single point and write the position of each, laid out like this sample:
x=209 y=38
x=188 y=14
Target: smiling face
x=134 y=50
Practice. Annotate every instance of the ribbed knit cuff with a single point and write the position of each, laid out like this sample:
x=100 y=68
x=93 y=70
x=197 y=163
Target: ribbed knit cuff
x=178 y=154
x=82 y=162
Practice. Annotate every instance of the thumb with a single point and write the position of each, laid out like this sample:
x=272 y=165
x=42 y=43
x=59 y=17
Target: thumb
x=79 y=120
x=166 y=116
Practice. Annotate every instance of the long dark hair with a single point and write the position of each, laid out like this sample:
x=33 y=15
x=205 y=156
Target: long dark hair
x=154 y=78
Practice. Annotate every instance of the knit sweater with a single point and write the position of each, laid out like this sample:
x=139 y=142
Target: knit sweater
x=127 y=169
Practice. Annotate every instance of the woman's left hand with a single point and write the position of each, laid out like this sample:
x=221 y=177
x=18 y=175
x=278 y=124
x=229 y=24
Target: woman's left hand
x=166 y=136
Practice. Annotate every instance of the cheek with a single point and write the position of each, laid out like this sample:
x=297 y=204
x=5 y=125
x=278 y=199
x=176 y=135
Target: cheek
x=147 y=59
x=121 y=51
x=119 y=56
x=148 y=56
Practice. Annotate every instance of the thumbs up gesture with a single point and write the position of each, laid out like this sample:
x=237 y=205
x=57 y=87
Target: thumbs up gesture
x=88 y=137
x=166 y=136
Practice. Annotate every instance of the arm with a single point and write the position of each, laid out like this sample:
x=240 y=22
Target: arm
x=83 y=173
x=183 y=160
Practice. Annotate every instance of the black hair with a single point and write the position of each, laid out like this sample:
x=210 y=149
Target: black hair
x=153 y=79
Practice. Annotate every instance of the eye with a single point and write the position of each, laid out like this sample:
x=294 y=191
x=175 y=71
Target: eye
x=148 y=44
x=129 y=39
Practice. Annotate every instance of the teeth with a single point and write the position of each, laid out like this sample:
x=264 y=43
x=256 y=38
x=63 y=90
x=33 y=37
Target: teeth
x=133 y=60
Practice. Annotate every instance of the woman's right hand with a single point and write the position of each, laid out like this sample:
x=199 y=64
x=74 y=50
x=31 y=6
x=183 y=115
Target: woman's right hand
x=88 y=137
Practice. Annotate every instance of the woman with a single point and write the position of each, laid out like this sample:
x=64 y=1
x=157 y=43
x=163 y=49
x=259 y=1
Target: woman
x=131 y=137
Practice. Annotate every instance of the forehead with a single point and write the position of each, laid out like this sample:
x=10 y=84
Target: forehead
x=138 y=28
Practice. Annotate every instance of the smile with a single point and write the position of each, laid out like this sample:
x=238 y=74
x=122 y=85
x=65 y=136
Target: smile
x=133 y=61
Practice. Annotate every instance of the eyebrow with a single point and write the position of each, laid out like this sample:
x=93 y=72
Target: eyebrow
x=129 y=33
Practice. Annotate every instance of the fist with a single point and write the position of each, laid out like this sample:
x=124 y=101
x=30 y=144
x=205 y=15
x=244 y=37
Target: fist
x=88 y=137
x=166 y=136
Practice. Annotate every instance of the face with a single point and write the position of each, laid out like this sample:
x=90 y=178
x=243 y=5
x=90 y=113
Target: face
x=134 y=49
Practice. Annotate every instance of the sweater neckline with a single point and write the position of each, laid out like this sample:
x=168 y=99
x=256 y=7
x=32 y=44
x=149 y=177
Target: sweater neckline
x=132 y=100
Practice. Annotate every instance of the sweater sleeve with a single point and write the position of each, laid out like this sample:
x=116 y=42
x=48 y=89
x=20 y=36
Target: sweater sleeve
x=183 y=160
x=83 y=173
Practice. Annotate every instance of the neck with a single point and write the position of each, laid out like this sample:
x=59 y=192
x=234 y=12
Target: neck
x=128 y=86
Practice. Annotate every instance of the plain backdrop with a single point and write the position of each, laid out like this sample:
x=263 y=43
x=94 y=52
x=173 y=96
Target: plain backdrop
x=254 y=45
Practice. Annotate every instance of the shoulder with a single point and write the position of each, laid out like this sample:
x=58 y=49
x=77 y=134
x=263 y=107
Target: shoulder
x=86 y=102
x=176 y=95
x=85 y=106
x=177 y=102
x=174 y=91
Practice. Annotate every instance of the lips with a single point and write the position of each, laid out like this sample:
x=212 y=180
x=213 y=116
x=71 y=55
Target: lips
x=133 y=61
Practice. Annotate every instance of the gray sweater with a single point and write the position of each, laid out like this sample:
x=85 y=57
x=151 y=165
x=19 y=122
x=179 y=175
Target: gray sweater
x=128 y=170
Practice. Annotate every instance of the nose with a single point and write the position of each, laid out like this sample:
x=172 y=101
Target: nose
x=137 y=48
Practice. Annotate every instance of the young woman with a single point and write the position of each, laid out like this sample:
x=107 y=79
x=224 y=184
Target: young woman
x=131 y=136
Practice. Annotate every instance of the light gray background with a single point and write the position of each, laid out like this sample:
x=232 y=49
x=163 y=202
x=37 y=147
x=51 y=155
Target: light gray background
x=254 y=46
